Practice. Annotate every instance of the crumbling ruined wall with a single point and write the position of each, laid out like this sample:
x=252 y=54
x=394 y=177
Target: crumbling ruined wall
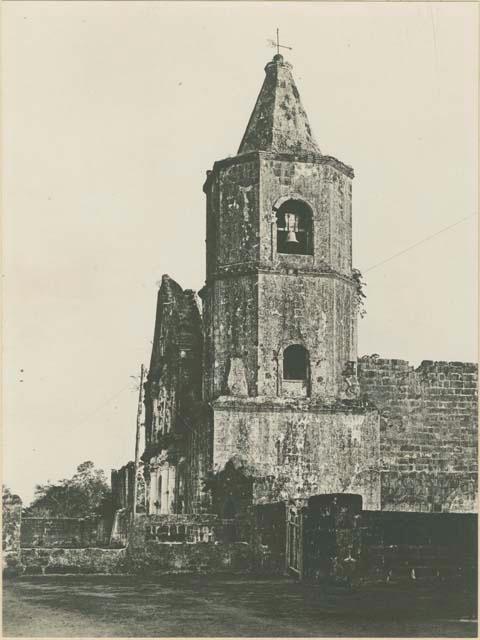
x=122 y=482
x=428 y=433
x=299 y=451
x=122 y=486
x=175 y=374
x=172 y=400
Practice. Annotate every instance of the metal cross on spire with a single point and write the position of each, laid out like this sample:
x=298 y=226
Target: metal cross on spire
x=277 y=43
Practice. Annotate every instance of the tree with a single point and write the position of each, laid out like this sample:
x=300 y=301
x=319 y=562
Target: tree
x=86 y=493
x=8 y=496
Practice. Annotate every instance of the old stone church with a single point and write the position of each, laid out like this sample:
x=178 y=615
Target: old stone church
x=255 y=392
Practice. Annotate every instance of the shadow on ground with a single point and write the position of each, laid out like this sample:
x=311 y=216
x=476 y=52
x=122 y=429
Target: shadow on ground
x=185 y=605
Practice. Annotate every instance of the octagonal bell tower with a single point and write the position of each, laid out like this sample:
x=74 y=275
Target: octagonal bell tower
x=280 y=300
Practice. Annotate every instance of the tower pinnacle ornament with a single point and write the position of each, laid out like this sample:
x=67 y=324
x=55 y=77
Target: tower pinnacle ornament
x=277 y=44
x=279 y=122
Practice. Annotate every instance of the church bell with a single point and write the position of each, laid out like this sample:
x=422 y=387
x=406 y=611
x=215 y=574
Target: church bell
x=292 y=238
x=291 y=220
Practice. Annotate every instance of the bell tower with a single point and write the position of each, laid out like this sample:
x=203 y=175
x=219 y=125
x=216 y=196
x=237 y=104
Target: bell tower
x=280 y=300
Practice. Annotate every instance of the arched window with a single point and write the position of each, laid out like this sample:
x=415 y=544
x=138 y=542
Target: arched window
x=294 y=228
x=295 y=363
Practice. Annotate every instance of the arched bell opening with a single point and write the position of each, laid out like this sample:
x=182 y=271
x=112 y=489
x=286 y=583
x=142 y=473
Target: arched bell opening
x=294 y=228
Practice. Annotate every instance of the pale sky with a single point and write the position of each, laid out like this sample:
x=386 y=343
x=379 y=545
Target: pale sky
x=112 y=113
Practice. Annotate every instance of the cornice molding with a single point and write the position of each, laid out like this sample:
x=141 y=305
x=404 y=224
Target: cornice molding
x=253 y=267
x=262 y=404
x=306 y=158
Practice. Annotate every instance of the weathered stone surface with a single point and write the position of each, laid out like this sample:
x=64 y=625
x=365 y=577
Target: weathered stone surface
x=413 y=546
x=65 y=532
x=338 y=540
x=278 y=121
x=257 y=301
x=428 y=433
x=171 y=557
x=237 y=381
x=50 y=560
x=399 y=437
x=269 y=537
x=172 y=398
x=332 y=537
x=299 y=451
x=11 y=532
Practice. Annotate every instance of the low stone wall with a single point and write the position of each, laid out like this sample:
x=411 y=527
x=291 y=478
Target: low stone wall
x=93 y=531
x=152 y=551
x=177 y=557
x=418 y=545
x=339 y=541
x=94 y=560
x=196 y=528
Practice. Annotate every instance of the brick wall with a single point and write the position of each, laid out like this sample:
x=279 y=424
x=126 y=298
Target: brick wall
x=428 y=433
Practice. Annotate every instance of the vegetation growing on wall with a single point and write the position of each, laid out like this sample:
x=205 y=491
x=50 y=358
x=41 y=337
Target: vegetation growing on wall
x=361 y=296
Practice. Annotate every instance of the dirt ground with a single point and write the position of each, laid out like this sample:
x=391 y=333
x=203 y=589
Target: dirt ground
x=181 y=605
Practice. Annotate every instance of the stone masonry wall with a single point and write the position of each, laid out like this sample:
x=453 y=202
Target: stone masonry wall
x=250 y=284
x=327 y=190
x=400 y=545
x=198 y=461
x=317 y=312
x=146 y=554
x=56 y=561
x=230 y=305
x=428 y=433
x=299 y=452
x=231 y=312
x=237 y=213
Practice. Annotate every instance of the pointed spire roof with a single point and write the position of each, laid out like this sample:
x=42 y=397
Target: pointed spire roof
x=278 y=121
